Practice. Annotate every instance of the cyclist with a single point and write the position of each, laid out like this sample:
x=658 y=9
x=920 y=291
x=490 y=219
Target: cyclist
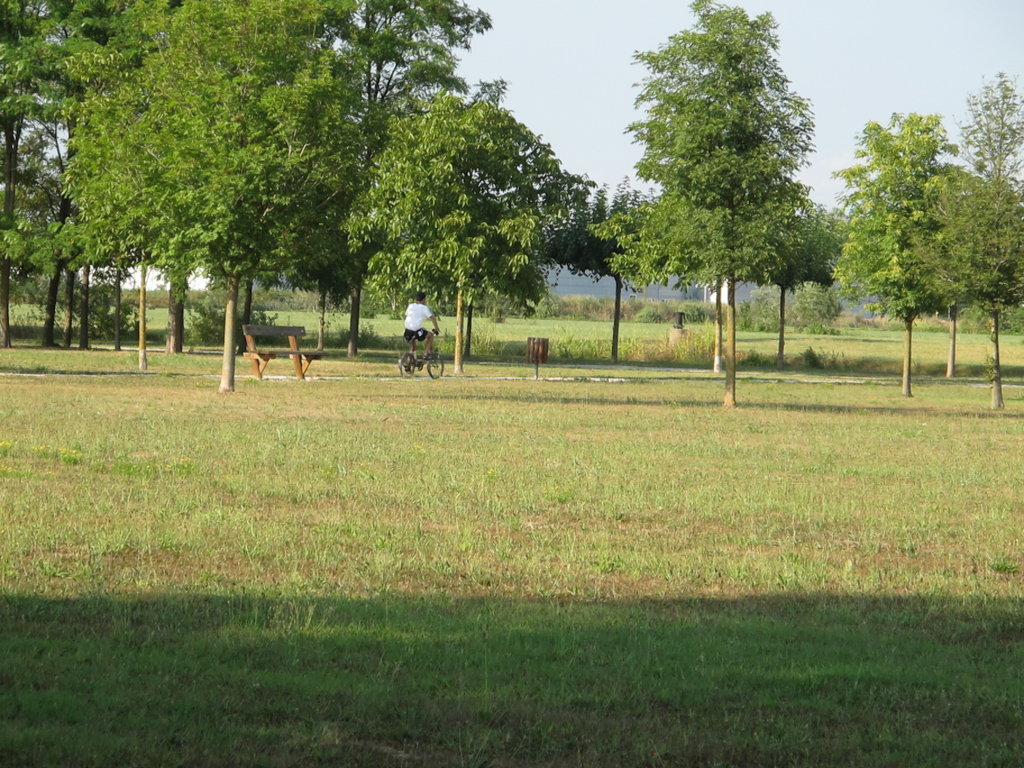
x=416 y=315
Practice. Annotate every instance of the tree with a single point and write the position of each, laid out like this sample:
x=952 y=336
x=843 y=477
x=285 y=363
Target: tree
x=982 y=212
x=892 y=224
x=459 y=199
x=23 y=56
x=405 y=53
x=587 y=240
x=808 y=255
x=205 y=154
x=723 y=137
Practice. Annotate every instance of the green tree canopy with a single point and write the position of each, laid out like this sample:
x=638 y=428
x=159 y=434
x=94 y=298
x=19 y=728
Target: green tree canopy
x=982 y=212
x=459 y=198
x=208 y=154
x=586 y=241
x=892 y=223
x=723 y=136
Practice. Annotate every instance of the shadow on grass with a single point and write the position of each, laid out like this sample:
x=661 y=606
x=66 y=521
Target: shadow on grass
x=238 y=681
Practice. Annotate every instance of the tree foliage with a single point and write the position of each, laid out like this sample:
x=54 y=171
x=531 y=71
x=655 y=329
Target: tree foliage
x=723 y=136
x=892 y=222
x=459 y=200
x=981 y=209
x=211 y=153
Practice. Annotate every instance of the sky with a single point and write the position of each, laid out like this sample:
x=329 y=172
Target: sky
x=572 y=79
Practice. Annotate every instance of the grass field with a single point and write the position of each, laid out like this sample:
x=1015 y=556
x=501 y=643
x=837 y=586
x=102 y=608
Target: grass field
x=495 y=571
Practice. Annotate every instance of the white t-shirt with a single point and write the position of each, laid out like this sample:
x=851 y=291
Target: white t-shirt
x=416 y=315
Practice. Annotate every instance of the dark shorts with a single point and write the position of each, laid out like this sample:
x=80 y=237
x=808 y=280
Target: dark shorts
x=419 y=335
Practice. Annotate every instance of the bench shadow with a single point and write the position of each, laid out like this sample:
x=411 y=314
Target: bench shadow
x=441 y=680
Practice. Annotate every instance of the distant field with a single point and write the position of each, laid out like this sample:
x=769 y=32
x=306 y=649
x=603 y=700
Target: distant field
x=855 y=351
x=367 y=571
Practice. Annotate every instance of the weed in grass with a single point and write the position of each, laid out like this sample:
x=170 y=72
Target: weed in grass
x=1004 y=565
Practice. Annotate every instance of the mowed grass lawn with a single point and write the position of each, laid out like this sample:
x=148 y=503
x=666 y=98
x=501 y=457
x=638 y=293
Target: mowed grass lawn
x=365 y=571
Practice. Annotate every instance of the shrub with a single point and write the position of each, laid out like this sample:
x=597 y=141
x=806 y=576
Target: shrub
x=655 y=312
x=102 y=312
x=816 y=306
x=368 y=337
x=204 y=321
x=761 y=313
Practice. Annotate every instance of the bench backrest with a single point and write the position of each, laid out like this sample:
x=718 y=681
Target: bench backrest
x=273 y=330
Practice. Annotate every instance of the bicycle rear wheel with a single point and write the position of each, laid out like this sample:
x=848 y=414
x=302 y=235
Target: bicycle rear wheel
x=407 y=364
x=435 y=366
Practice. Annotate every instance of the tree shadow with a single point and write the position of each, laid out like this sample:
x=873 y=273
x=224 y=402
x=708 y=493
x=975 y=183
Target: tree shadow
x=448 y=681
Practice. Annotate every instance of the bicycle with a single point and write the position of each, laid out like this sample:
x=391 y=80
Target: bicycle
x=409 y=363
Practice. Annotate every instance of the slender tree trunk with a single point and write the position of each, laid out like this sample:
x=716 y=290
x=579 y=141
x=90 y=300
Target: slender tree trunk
x=246 y=316
x=143 y=351
x=717 y=365
x=997 y=374
x=50 y=312
x=11 y=139
x=117 y=309
x=908 y=341
x=5 y=303
x=615 y=318
x=459 y=319
x=177 y=290
x=469 y=332
x=69 y=305
x=355 y=300
x=730 y=353
x=321 y=330
x=83 y=317
x=227 y=371
x=954 y=313
x=780 y=357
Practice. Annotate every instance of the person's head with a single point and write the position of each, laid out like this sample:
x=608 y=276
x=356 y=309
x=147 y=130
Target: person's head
x=421 y=296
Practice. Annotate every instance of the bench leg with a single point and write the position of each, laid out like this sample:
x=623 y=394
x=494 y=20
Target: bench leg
x=257 y=367
x=300 y=373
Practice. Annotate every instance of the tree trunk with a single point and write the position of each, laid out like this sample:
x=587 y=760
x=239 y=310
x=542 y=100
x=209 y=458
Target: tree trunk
x=246 y=317
x=469 y=331
x=227 y=371
x=11 y=139
x=143 y=352
x=951 y=360
x=117 y=309
x=355 y=300
x=459 y=318
x=908 y=340
x=69 y=305
x=615 y=318
x=780 y=356
x=5 y=303
x=177 y=290
x=997 y=374
x=50 y=311
x=730 y=353
x=717 y=365
x=83 y=317
x=321 y=330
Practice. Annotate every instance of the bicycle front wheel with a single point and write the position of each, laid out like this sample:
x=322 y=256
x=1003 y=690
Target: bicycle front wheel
x=435 y=366
x=407 y=364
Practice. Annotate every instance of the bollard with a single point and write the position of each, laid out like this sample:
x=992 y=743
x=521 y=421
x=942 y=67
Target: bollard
x=536 y=353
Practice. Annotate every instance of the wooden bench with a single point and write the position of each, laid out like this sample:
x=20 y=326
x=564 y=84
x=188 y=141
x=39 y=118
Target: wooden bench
x=260 y=357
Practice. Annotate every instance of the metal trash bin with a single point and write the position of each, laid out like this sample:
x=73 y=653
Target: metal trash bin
x=536 y=353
